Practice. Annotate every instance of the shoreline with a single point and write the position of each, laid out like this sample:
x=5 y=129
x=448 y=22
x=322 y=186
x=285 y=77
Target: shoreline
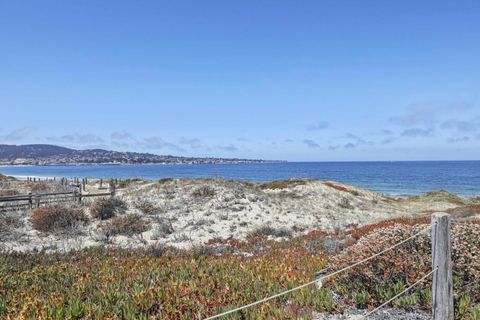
x=152 y=180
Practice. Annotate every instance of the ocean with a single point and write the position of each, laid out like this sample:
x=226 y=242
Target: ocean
x=395 y=178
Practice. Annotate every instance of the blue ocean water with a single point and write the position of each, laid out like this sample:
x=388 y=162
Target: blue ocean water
x=396 y=178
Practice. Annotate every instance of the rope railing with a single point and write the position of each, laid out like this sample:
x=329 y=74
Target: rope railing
x=320 y=279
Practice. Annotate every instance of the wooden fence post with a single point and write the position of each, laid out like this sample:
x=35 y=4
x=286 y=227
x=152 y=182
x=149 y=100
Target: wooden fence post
x=30 y=200
x=112 y=189
x=80 y=196
x=37 y=201
x=442 y=285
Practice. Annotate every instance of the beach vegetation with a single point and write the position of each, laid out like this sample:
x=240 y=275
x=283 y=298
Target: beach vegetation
x=336 y=187
x=354 y=193
x=266 y=230
x=57 y=218
x=127 y=225
x=148 y=207
x=203 y=192
x=166 y=283
x=162 y=229
x=107 y=208
x=282 y=184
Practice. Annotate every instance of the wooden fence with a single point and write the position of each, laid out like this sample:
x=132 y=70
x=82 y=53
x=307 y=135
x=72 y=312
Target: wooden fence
x=35 y=200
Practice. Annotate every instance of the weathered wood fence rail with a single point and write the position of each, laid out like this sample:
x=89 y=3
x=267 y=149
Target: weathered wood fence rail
x=34 y=200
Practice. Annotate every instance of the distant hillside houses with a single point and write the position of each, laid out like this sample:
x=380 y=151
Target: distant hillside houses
x=42 y=154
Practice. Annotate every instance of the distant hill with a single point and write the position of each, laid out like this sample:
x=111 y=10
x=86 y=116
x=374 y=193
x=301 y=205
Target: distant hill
x=45 y=154
x=12 y=152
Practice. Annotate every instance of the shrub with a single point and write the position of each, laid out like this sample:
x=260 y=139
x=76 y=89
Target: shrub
x=157 y=250
x=354 y=192
x=8 y=192
x=163 y=229
x=57 y=218
x=107 y=208
x=38 y=187
x=203 y=192
x=201 y=222
x=148 y=207
x=361 y=299
x=282 y=184
x=270 y=231
x=127 y=225
x=165 y=180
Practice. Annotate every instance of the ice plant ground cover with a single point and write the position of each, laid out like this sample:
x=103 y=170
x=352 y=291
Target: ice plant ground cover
x=167 y=283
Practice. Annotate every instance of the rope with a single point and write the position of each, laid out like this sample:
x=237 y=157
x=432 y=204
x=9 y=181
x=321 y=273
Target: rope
x=398 y=295
x=316 y=280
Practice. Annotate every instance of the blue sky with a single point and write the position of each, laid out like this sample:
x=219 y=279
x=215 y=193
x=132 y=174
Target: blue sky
x=294 y=80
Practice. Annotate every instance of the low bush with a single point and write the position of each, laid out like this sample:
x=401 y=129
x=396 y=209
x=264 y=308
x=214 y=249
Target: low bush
x=127 y=225
x=8 y=192
x=107 y=208
x=282 y=184
x=165 y=180
x=57 y=218
x=148 y=207
x=203 y=192
x=162 y=229
x=38 y=187
x=354 y=192
x=270 y=231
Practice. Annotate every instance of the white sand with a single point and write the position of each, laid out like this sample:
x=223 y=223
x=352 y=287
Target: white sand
x=235 y=209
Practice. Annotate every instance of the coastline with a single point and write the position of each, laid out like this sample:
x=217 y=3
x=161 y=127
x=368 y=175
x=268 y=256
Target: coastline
x=389 y=178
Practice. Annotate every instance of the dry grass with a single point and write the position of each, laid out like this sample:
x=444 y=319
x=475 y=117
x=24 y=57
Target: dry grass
x=8 y=192
x=465 y=211
x=203 y=192
x=37 y=187
x=282 y=184
x=266 y=230
x=104 y=209
x=57 y=219
x=441 y=196
x=334 y=186
x=148 y=207
x=127 y=225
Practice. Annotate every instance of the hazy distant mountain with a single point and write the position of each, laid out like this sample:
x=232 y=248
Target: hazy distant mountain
x=44 y=154
x=12 y=152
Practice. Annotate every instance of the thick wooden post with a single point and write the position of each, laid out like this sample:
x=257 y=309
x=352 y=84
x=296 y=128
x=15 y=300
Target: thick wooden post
x=112 y=189
x=442 y=285
x=37 y=201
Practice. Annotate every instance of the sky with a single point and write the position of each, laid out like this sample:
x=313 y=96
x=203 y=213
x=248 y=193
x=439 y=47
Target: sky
x=292 y=80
